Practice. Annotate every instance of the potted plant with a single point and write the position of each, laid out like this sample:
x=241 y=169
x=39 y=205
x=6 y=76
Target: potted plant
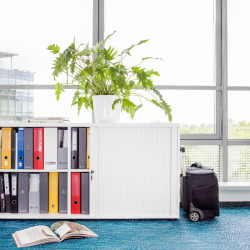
x=103 y=82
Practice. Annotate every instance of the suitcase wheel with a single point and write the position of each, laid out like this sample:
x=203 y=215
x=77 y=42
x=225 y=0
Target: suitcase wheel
x=194 y=216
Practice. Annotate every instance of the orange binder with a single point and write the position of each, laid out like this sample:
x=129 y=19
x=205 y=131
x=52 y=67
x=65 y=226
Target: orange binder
x=6 y=148
x=88 y=147
x=53 y=192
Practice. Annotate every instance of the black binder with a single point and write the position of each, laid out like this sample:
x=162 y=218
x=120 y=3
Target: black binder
x=13 y=149
x=2 y=205
x=13 y=196
x=74 y=148
x=44 y=192
x=82 y=148
x=7 y=191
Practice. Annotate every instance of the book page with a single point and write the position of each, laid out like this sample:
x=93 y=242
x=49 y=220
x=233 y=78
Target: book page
x=77 y=230
x=35 y=234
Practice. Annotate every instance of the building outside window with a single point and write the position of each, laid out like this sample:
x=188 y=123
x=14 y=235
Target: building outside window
x=15 y=104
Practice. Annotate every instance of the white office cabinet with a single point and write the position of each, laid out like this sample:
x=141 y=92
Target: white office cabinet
x=136 y=171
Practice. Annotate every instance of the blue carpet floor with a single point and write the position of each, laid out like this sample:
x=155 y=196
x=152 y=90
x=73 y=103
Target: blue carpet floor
x=229 y=231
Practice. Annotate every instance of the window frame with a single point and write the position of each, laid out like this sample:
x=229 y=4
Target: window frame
x=221 y=88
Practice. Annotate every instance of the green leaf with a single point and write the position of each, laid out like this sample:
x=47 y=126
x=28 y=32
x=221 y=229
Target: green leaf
x=143 y=41
x=116 y=102
x=131 y=84
x=136 y=109
x=165 y=107
x=89 y=70
x=54 y=48
x=72 y=67
x=59 y=89
x=147 y=58
x=127 y=51
x=153 y=72
x=75 y=98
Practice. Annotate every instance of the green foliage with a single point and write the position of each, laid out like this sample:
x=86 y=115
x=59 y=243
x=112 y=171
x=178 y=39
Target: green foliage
x=54 y=48
x=100 y=71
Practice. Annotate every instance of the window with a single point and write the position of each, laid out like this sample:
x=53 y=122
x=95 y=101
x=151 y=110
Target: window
x=27 y=28
x=204 y=72
x=238 y=42
x=179 y=31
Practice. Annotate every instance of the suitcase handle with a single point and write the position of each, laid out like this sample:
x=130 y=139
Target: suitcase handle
x=197 y=165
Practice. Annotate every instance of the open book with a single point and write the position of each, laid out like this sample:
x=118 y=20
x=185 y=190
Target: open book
x=58 y=231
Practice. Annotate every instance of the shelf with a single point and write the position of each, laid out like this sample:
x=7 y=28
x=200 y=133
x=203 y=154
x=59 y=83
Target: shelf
x=80 y=170
x=82 y=216
x=89 y=125
x=32 y=170
x=42 y=170
x=49 y=216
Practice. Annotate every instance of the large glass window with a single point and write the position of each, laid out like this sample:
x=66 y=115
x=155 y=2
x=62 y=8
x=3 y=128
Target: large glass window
x=194 y=110
x=239 y=163
x=239 y=120
x=238 y=42
x=179 y=31
x=28 y=27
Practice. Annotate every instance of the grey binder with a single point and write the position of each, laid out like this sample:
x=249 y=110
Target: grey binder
x=85 y=193
x=82 y=149
x=62 y=149
x=74 y=148
x=28 y=148
x=63 y=193
x=44 y=193
x=23 y=192
x=34 y=196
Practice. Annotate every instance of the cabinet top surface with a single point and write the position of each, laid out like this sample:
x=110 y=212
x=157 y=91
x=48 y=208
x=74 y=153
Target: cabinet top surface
x=106 y=125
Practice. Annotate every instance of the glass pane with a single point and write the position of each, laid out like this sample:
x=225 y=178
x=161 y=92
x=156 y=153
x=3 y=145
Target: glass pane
x=179 y=31
x=238 y=42
x=23 y=105
x=194 y=110
x=28 y=27
x=208 y=155
x=238 y=163
x=238 y=115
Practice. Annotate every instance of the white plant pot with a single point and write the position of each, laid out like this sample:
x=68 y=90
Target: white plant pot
x=103 y=109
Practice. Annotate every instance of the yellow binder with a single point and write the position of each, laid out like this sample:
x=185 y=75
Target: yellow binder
x=53 y=192
x=6 y=148
x=88 y=140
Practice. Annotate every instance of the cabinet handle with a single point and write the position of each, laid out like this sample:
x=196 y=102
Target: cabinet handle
x=91 y=177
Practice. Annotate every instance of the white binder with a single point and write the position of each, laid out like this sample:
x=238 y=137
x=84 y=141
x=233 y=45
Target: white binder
x=34 y=193
x=50 y=148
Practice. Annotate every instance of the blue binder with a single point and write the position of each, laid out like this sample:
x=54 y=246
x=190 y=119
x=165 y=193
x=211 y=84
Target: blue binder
x=20 y=153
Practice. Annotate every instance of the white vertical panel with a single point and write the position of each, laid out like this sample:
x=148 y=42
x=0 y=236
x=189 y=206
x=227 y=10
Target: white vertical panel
x=175 y=172
x=94 y=162
x=69 y=168
x=134 y=169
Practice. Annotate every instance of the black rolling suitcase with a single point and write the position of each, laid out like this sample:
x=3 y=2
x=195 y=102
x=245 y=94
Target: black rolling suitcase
x=199 y=191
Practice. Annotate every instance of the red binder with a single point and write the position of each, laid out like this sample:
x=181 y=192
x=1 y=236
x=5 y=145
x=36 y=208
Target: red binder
x=75 y=193
x=38 y=148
